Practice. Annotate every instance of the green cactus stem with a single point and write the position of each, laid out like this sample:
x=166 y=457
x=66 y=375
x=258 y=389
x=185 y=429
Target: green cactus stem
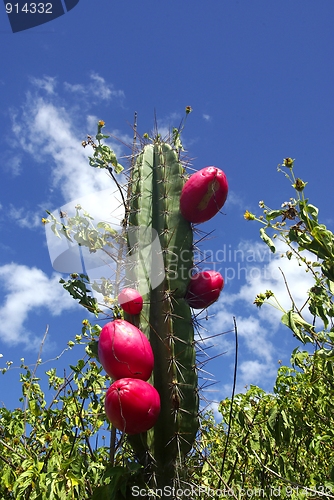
x=157 y=179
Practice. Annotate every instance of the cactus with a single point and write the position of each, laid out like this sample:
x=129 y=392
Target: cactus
x=157 y=267
x=155 y=187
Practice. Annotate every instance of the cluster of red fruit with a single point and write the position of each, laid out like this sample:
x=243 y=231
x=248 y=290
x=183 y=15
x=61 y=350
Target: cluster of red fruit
x=133 y=405
x=203 y=195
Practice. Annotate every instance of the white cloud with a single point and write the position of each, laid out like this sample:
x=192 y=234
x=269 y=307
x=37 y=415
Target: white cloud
x=11 y=163
x=206 y=117
x=254 y=372
x=77 y=88
x=24 y=218
x=102 y=89
x=233 y=199
x=47 y=83
x=91 y=122
x=27 y=290
x=98 y=87
x=47 y=133
x=271 y=276
x=257 y=270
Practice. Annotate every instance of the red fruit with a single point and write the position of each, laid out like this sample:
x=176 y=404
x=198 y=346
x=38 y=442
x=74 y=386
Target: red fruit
x=124 y=351
x=132 y=405
x=130 y=300
x=204 y=289
x=204 y=194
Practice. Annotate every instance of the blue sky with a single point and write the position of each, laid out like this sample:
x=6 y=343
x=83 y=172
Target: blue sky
x=259 y=76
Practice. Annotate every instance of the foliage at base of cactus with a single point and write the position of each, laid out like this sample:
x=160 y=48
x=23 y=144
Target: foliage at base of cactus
x=58 y=444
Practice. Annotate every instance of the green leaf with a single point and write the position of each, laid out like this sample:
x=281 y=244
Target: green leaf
x=92 y=349
x=118 y=168
x=65 y=231
x=99 y=136
x=8 y=477
x=54 y=229
x=327 y=268
x=324 y=238
x=107 y=227
x=272 y=417
x=102 y=493
x=75 y=480
x=325 y=353
x=267 y=240
x=34 y=408
x=272 y=214
x=330 y=284
x=313 y=211
x=241 y=418
x=298 y=325
x=332 y=477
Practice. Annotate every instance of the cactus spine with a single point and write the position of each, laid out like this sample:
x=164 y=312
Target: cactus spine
x=157 y=179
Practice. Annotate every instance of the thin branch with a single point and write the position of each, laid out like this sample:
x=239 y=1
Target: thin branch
x=288 y=290
x=26 y=401
x=118 y=185
x=7 y=462
x=12 y=449
x=232 y=399
x=221 y=479
x=112 y=446
x=81 y=420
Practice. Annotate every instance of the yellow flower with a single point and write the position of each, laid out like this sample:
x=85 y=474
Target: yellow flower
x=288 y=162
x=249 y=216
x=299 y=185
x=101 y=123
x=45 y=221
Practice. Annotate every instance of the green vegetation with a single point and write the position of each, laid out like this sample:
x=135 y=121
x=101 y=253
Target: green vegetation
x=267 y=445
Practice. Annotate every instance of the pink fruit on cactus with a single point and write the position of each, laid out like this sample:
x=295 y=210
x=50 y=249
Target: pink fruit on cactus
x=124 y=351
x=132 y=405
x=130 y=300
x=204 y=289
x=203 y=195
